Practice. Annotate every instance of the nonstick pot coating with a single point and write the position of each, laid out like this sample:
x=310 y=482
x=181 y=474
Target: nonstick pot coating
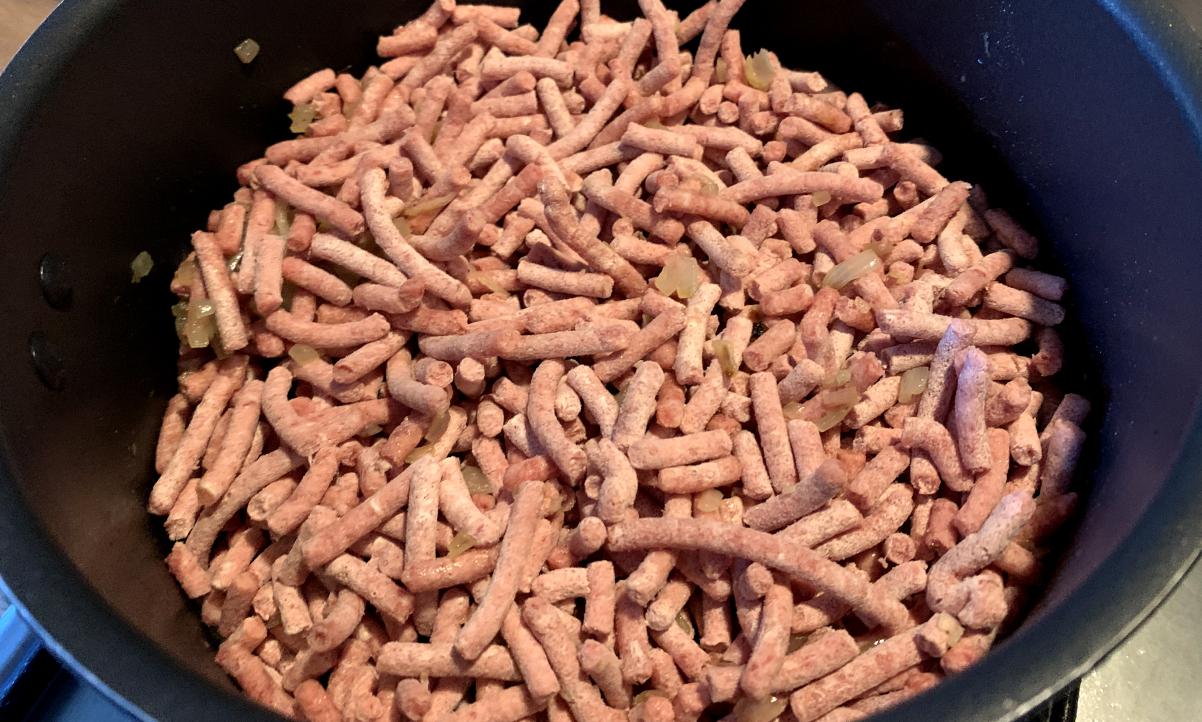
x=121 y=124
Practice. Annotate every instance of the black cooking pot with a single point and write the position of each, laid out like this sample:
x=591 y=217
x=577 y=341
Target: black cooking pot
x=121 y=124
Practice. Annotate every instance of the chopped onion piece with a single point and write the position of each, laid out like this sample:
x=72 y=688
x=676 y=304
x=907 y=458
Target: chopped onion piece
x=283 y=219
x=898 y=275
x=247 y=50
x=477 y=482
x=832 y=418
x=438 y=426
x=913 y=383
x=691 y=281
x=141 y=266
x=760 y=710
x=428 y=205
x=199 y=328
x=460 y=543
x=720 y=71
x=303 y=354
x=185 y=274
x=855 y=267
x=793 y=410
x=402 y=225
x=842 y=377
x=194 y=322
x=664 y=283
x=708 y=500
x=418 y=453
x=370 y=430
x=681 y=276
x=881 y=246
x=726 y=357
x=683 y=621
x=302 y=117
x=490 y=282
x=180 y=312
x=759 y=70
x=820 y=198
x=845 y=396
x=955 y=636
x=708 y=186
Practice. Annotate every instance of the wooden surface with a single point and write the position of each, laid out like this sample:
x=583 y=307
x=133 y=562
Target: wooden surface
x=18 y=18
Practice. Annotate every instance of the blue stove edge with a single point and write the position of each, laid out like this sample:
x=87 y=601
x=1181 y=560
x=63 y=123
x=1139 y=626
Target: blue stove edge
x=34 y=686
x=18 y=645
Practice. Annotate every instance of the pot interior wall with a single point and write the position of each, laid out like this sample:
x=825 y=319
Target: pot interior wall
x=1046 y=104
